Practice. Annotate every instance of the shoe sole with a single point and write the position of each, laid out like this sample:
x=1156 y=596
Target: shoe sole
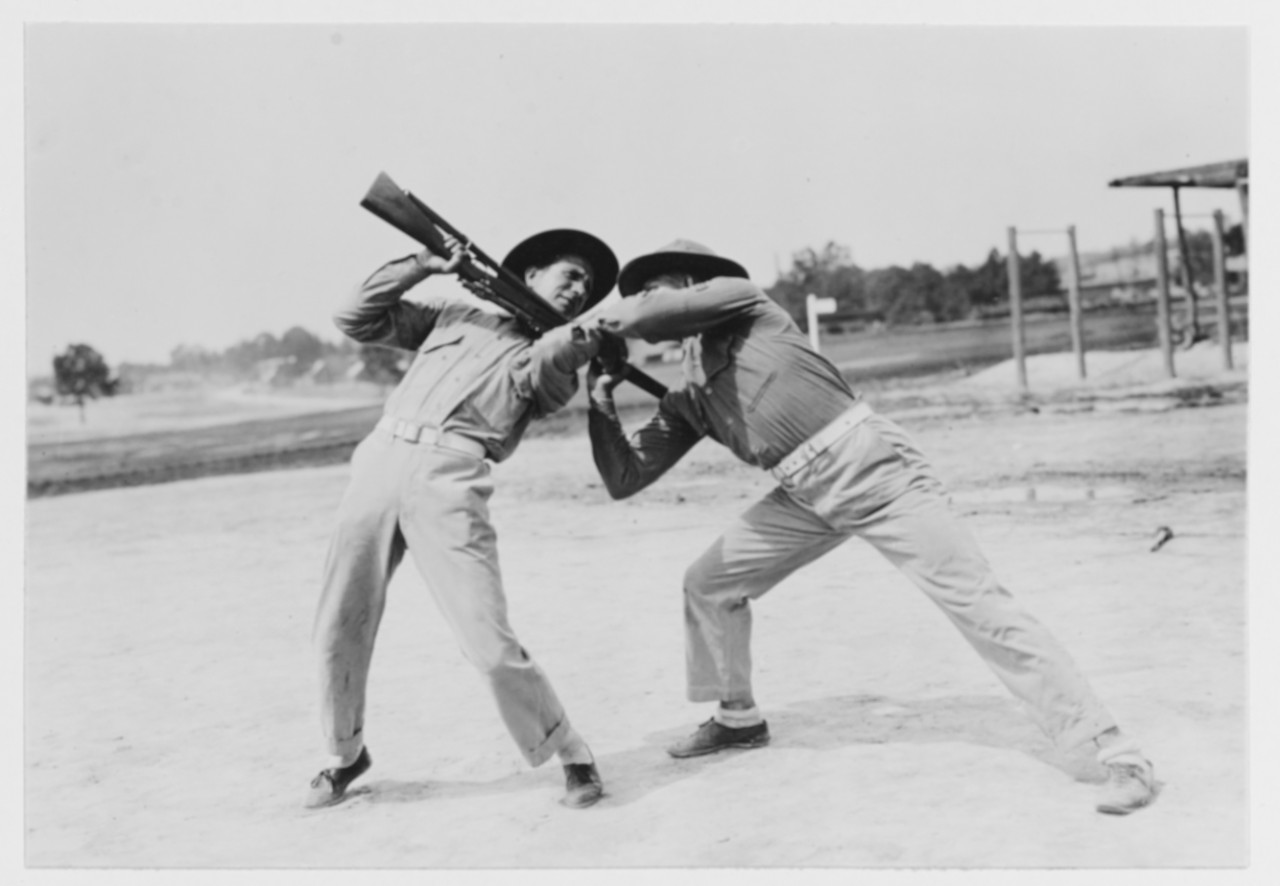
x=1121 y=810
x=326 y=803
x=702 y=752
x=583 y=800
x=1125 y=810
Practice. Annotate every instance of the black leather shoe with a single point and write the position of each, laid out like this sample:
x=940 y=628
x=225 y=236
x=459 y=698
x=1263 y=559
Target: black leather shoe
x=714 y=736
x=330 y=786
x=582 y=785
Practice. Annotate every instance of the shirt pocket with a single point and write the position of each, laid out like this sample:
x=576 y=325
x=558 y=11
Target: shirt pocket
x=440 y=342
x=716 y=355
x=761 y=391
x=439 y=354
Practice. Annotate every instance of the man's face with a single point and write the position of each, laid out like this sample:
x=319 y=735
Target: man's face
x=566 y=283
x=667 y=280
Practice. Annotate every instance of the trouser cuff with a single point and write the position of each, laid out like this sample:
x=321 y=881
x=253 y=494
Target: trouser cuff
x=1084 y=732
x=346 y=748
x=718 y=693
x=1120 y=748
x=550 y=745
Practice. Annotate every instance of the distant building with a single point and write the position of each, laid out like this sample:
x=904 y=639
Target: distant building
x=1225 y=175
x=1128 y=273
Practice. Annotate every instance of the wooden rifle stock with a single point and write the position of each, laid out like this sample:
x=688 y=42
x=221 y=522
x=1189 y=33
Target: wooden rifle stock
x=409 y=215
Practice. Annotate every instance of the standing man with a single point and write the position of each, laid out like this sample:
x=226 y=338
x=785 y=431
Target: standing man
x=421 y=482
x=753 y=384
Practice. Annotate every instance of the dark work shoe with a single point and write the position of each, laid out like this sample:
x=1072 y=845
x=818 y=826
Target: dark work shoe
x=582 y=785
x=330 y=786
x=1131 y=784
x=714 y=736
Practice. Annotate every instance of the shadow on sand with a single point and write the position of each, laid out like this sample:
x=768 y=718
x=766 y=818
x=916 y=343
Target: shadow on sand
x=822 y=724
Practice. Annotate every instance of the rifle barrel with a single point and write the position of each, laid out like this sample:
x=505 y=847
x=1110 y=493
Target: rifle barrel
x=504 y=288
x=479 y=253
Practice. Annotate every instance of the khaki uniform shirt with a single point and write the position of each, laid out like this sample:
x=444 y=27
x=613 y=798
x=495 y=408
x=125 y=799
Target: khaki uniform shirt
x=476 y=373
x=752 y=383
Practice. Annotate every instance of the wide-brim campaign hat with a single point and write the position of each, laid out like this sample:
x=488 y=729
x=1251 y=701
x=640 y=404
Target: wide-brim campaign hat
x=678 y=255
x=542 y=249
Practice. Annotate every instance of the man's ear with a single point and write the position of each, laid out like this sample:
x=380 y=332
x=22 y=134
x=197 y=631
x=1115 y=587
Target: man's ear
x=529 y=273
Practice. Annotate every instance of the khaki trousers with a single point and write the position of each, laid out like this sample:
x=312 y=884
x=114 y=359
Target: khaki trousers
x=434 y=502
x=874 y=484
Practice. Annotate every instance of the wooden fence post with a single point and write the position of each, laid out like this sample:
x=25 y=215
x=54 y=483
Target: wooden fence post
x=1162 y=296
x=1015 y=310
x=1220 y=281
x=1073 y=299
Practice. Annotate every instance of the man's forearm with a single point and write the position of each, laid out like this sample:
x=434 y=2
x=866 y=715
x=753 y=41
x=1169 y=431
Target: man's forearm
x=567 y=348
x=673 y=314
x=613 y=455
x=629 y=464
x=547 y=373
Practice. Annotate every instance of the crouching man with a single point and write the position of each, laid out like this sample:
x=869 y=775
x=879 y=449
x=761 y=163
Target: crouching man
x=753 y=384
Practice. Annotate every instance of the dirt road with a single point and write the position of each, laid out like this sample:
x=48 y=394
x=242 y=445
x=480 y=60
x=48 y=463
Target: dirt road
x=171 y=718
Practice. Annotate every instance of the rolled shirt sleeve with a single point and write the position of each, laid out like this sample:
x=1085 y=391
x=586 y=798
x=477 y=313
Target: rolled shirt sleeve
x=672 y=314
x=375 y=314
x=546 y=374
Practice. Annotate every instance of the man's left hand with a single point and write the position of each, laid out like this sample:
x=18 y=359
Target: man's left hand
x=600 y=385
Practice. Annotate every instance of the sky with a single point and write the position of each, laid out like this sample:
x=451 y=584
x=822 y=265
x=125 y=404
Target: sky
x=197 y=184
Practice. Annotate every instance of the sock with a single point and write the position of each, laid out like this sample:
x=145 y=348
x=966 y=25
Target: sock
x=575 y=750
x=738 y=719
x=337 y=761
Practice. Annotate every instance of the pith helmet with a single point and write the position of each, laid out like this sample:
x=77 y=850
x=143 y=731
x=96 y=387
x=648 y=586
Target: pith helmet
x=678 y=255
x=544 y=248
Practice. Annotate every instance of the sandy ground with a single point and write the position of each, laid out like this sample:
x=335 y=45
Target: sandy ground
x=174 y=410
x=170 y=696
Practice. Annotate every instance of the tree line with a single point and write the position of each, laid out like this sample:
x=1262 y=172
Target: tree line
x=921 y=293
x=892 y=296
x=293 y=355
x=297 y=347
x=899 y=295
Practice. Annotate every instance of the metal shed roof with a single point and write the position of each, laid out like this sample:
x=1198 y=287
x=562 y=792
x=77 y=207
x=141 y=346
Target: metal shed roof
x=1227 y=174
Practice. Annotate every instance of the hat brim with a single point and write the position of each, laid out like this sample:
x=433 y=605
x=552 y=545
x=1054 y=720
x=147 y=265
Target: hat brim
x=544 y=248
x=640 y=270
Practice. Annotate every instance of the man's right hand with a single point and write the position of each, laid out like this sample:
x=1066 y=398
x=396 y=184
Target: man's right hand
x=612 y=355
x=438 y=264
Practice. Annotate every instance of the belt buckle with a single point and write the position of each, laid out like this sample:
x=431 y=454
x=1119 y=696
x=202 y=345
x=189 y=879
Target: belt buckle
x=408 y=431
x=791 y=464
x=801 y=457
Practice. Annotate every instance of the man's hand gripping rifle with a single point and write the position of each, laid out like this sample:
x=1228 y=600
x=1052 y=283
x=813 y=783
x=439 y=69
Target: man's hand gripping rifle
x=485 y=277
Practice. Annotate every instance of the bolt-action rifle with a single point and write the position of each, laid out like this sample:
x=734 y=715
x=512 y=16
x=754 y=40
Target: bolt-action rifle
x=482 y=275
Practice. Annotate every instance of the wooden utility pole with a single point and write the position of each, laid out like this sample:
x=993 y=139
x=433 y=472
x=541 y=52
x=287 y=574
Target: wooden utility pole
x=1162 y=296
x=1242 y=189
x=1015 y=310
x=1073 y=301
x=1220 y=282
